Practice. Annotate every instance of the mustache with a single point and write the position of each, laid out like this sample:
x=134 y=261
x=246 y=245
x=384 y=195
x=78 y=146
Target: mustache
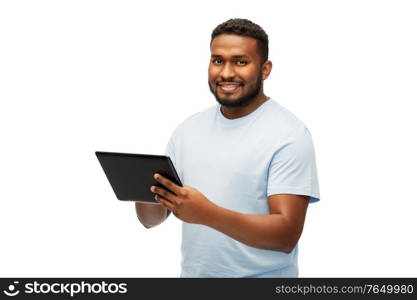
x=228 y=80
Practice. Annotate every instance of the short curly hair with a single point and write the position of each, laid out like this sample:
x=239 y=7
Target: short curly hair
x=245 y=27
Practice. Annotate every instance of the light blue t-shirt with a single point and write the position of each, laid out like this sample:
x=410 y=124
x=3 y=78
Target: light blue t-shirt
x=237 y=164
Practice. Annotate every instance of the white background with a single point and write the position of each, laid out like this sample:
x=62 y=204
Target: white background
x=81 y=76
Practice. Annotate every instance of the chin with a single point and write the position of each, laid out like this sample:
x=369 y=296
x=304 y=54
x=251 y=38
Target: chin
x=239 y=102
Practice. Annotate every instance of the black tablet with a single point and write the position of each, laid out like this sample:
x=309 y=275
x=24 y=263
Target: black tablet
x=131 y=175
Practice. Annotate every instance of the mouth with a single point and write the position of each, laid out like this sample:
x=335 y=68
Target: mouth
x=229 y=87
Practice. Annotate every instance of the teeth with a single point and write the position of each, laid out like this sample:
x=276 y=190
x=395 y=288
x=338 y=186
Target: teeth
x=229 y=86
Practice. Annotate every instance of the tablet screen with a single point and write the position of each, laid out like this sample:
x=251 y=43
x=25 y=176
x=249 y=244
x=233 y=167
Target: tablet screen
x=131 y=175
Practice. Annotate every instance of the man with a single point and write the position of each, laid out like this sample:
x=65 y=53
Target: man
x=247 y=165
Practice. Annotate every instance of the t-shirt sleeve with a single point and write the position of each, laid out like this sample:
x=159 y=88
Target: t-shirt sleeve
x=293 y=167
x=171 y=150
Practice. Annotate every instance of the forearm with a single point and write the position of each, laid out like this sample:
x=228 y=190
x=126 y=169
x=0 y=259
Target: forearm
x=150 y=214
x=271 y=232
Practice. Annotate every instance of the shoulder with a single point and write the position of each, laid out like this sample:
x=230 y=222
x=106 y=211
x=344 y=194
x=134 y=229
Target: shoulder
x=283 y=122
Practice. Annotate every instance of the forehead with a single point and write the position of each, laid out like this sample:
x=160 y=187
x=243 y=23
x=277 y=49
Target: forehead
x=232 y=44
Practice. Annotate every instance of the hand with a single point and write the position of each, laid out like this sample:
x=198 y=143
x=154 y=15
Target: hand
x=186 y=203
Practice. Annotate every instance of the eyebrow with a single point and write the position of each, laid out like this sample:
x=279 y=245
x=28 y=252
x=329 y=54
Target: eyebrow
x=234 y=56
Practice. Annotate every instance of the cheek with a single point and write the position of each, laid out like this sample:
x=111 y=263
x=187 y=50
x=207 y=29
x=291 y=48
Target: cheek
x=212 y=74
x=250 y=75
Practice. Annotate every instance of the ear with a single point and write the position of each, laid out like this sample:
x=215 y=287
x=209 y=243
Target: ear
x=266 y=69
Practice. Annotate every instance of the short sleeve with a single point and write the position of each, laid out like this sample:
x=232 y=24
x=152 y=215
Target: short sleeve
x=170 y=150
x=293 y=167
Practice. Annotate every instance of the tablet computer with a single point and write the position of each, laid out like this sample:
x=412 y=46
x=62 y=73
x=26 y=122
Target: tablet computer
x=131 y=175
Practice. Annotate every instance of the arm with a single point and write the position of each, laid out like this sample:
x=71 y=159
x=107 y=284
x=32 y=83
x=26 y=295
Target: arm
x=280 y=230
x=150 y=214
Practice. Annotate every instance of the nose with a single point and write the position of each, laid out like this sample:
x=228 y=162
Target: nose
x=227 y=71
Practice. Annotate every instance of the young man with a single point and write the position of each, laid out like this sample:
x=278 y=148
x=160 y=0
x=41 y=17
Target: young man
x=247 y=165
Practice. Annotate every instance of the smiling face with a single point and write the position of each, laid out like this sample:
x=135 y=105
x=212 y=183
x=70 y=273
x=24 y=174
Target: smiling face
x=235 y=72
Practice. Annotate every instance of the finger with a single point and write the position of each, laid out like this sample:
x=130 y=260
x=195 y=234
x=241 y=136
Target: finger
x=165 y=203
x=168 y=183
x=164 y=193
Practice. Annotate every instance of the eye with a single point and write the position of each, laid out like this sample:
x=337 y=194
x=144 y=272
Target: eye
x=241 y=62
x=217 y=61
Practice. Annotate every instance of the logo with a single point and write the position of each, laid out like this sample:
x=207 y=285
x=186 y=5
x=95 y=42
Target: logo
x=69 y=288
x=12 y=290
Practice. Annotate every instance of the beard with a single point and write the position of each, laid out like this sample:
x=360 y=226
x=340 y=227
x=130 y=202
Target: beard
x=244 y=100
